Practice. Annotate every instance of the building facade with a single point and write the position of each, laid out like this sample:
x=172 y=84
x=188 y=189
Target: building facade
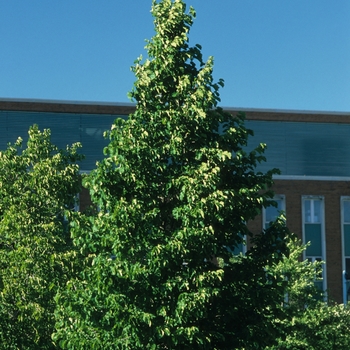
x=311 y=149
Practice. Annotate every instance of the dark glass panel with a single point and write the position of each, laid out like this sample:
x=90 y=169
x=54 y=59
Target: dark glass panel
x=313 y=235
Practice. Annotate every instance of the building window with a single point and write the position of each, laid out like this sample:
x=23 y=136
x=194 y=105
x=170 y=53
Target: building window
x=240 y=248
x=345 y=230
x=271 y=213
x=314 y=232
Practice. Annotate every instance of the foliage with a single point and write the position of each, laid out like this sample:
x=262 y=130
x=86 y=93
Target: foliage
x=305 y=320
x=174 y=195
x=324 y=328
x=317 y=328
x=301 y=275
x=37 y=186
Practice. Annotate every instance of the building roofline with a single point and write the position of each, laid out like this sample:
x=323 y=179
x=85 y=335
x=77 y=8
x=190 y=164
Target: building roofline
x=69 y=102
x=125 y=108
x=63 y=106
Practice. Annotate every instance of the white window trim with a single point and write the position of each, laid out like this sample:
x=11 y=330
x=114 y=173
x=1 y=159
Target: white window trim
x=342 y=200
x=77 y=202
x=323 y=234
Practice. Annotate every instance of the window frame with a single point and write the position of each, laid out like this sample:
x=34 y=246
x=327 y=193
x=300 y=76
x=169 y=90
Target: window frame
x=323 y=234
x=342 y=218
x=243 y=249
x=277 y=197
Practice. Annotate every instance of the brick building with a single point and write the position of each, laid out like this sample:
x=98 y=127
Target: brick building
x=311 y=149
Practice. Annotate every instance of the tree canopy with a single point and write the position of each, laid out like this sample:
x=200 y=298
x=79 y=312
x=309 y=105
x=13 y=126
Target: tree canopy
x=38 y=185
x=174 y=194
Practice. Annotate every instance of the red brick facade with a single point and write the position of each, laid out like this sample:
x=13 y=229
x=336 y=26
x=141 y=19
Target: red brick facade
x=332 y=191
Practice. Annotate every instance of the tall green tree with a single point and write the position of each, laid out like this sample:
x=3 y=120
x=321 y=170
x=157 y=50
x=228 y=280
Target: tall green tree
x=38 y=186
x=173 y=196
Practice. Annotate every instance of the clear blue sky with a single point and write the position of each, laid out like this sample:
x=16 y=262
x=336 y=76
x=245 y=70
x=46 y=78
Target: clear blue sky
x=283 y=54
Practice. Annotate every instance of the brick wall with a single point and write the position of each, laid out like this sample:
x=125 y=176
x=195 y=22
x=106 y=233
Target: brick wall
x=332 y=192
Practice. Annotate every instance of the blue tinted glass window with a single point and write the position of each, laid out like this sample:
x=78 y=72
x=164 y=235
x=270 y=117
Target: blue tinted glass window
x=346 y=239
x=313 y=234
x=346 y=208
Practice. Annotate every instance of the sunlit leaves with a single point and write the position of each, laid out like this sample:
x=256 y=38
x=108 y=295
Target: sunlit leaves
x=306 y=321
x=39 y=184
x=173 y=196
